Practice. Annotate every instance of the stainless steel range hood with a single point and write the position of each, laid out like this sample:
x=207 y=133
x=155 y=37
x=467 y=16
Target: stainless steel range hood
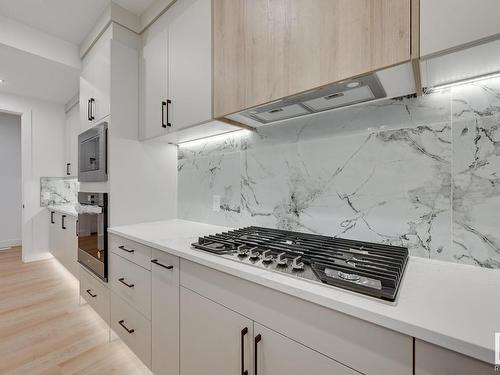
x=388 y=83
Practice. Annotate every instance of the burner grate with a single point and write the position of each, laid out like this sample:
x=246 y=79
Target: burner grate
x=369 y=268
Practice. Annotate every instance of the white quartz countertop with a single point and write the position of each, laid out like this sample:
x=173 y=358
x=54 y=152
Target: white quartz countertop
x=451 y=305
x=66 y=209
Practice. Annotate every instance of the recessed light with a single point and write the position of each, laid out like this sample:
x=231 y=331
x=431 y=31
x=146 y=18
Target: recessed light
x=352 y=85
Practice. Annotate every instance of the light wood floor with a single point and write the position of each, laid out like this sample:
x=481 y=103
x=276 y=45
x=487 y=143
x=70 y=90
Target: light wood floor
x=44 y=330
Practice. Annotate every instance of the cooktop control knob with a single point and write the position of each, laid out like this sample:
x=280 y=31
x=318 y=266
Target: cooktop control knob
x=242 y=250
x=267 y=256
x=281 y=260
x=297 y=264
x=254 y=254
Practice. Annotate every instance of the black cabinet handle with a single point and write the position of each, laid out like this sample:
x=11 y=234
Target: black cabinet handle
x=88 y=109
x=168 y=115
x=244 y=331
x=257 y=339
x=130 y=331
x=68 y=172
x=125 y=249
x=52 y=217
x=89 y=291
x=92 y=101
x=163 y=105
x=122 y=280
x=155 y=261
x=63 y=224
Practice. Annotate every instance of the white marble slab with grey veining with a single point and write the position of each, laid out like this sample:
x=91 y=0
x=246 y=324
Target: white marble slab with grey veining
x=417 y=172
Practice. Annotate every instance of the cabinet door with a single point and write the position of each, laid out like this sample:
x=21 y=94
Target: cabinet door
x=70 y=245
x=277 y=354
x=434 y=360
x=190 y=63
x=154 y=86
x=446 y=24
x=266 y=50
x=165 y=313
x=72 y=130
x=53 y=233
x=212 y=338
x=95 y=82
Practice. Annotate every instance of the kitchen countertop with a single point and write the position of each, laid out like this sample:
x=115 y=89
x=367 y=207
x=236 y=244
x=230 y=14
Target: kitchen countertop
x=451 y=305
x=66 y=209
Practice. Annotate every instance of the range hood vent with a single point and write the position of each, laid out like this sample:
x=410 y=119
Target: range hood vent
x=337 y=95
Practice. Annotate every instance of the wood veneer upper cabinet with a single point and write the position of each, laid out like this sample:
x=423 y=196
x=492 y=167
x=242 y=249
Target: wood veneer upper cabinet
x=269 y=49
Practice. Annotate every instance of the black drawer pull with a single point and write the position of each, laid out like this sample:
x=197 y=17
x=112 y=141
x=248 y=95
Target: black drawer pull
x=155 y=261
x=244 y=331
x=89 y=291
x=130 y=331
x=125 y=249
x=122 y=280
x=52 y=217
x=63 y=224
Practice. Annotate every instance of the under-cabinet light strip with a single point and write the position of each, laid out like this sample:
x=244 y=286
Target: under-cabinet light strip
x=213 y=138
x=461 y=82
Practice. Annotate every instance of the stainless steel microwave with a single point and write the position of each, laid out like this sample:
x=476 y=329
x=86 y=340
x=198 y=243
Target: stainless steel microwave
x=92 y=154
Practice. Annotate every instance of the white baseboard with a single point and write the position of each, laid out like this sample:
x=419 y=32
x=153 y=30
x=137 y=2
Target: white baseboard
x=6 y=244
x=35 y=258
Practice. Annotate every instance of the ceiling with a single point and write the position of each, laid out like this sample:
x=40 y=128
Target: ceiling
x=34 y=76
x=70 y=20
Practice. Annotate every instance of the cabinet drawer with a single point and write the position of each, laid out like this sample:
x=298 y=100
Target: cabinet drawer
x=96 y=294
x=132 y=327
x=133 y=251
x=132 y=283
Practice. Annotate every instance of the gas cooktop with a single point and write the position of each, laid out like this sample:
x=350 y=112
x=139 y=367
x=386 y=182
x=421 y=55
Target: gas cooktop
x=364 y=267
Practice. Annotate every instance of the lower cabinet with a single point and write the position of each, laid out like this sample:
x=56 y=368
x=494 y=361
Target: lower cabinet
x=132 y=327
x=214 y=339
x=277 y=354
x=165 y=313
x=217 y=340
x=95 y=293
x=63 y=240
x=434 y=360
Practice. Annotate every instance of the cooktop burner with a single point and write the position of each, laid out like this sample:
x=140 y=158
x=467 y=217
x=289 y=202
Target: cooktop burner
x=364 y=267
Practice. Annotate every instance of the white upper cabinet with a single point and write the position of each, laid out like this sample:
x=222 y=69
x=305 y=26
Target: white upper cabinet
x=72 y=130
x=154 y=86
x=95 y=82
x=176 y=70
x=447 y=24
x=190 y=64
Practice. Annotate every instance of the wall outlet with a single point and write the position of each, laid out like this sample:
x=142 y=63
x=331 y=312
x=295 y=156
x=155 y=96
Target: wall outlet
x=216 y=203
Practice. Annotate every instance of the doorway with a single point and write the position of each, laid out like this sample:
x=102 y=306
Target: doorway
x=27 y=197
x=10 y=181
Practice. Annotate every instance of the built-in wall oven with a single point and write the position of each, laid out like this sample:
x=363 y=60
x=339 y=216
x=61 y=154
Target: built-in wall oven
x=92 y=154
x=92 y=211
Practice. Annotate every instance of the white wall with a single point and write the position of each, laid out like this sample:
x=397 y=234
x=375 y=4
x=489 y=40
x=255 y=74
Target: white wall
x=47 y=159
x=10 y=180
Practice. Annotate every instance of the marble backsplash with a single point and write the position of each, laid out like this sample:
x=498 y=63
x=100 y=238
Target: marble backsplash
x=417 y=172
x=58 y=190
